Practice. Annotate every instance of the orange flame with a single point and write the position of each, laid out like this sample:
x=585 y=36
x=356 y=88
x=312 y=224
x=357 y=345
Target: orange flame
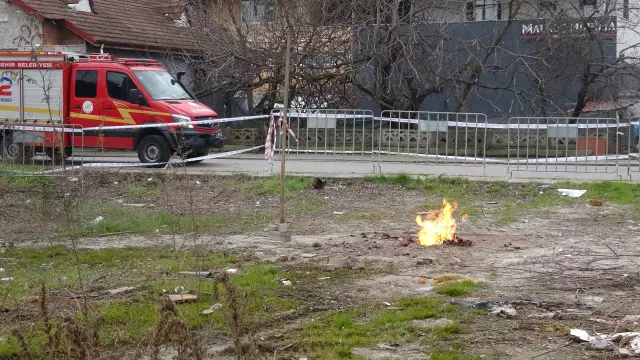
x=437 y=226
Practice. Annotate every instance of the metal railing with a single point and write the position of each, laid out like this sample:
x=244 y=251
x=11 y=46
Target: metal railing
x=633 y=148
x=40 y=149
x=329 y=134
x=442 y=138
x=553 y=144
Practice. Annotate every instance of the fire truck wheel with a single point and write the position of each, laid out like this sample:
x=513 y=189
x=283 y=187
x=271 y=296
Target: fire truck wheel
x=154 y=149
x=16 y=153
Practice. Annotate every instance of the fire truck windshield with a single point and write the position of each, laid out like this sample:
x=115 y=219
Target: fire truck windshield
x=161 y=86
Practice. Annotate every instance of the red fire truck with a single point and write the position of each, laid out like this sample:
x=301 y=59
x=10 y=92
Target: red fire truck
x=99 y=91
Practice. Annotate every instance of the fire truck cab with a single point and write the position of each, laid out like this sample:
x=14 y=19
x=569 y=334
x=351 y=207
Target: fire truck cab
x=102 y=96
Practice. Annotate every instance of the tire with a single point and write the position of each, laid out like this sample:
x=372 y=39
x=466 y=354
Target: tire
x=15 y=153
x=195 y=155
x=154 y=149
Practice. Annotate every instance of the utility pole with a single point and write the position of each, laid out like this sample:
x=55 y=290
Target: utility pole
x=283 y=128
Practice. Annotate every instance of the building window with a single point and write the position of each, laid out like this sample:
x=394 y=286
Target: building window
x=589 y=2
x=470 y=9
x=488 y=10
x=86 y=84
x=258 y=11
x=625 y=9
x=404 y=10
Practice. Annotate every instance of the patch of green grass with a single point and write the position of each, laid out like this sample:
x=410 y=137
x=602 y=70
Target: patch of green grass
x=308 y=204
x=26 y=181
x=458 y=288
x=452 y=355
x=271 y=185
x=358 y=216
x=336 y=334
x=118 y=219
x=143 y=191
x=616 y=191
x=128 y=319
x=447 y=332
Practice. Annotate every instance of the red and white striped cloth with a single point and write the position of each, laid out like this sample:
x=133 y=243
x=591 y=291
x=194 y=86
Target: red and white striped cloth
x=272 y=138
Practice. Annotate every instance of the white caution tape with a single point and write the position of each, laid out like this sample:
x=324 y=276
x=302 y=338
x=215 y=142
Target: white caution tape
x=182 y=124
x=343 y=115
x=272 y=139
x=518 y=126
x=177 y=162
x=132 y=164
x=470 y=158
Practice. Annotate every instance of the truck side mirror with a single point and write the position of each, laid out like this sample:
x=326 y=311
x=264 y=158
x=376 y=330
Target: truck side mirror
x=135 y=97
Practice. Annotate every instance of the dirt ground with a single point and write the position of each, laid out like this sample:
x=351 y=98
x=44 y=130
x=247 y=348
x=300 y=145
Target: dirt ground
x=562 y=256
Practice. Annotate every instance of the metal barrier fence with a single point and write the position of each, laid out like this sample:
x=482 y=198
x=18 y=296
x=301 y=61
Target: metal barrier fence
x=553 y=144
x=633 y=147
x=39 y=149
x=329 y=134
x=441 y=138
x=521 y=144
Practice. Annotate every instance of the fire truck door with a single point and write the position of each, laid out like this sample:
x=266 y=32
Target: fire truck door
x=85 y=106
x=118 y=108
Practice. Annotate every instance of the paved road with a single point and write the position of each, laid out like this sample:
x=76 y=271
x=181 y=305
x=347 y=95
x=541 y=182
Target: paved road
x=255 y=165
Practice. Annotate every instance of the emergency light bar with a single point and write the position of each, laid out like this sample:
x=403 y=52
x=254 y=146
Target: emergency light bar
x=127 y=61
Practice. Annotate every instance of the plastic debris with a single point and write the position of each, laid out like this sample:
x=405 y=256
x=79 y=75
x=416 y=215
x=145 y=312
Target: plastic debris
x=504 y=311
x=571 y=193
x=97 y=220
x=626 y=343
x=212 y=309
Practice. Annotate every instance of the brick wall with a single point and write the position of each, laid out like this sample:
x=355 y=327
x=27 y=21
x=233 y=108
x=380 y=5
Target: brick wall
x=54 y=33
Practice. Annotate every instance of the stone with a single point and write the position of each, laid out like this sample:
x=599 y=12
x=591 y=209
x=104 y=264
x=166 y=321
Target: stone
x=430 y=324
x=504 y=311
x=316 y=244
x=595 y=202
x=591 y=301
x=328 y=267
x=424 y=262
x=308 y=256
x=600 y=344
x=395 y=234
x=339 y=262
x=549 y=315
x=272 y=227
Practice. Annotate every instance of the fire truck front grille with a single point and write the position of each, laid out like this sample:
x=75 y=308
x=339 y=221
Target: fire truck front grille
x=210 y=125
